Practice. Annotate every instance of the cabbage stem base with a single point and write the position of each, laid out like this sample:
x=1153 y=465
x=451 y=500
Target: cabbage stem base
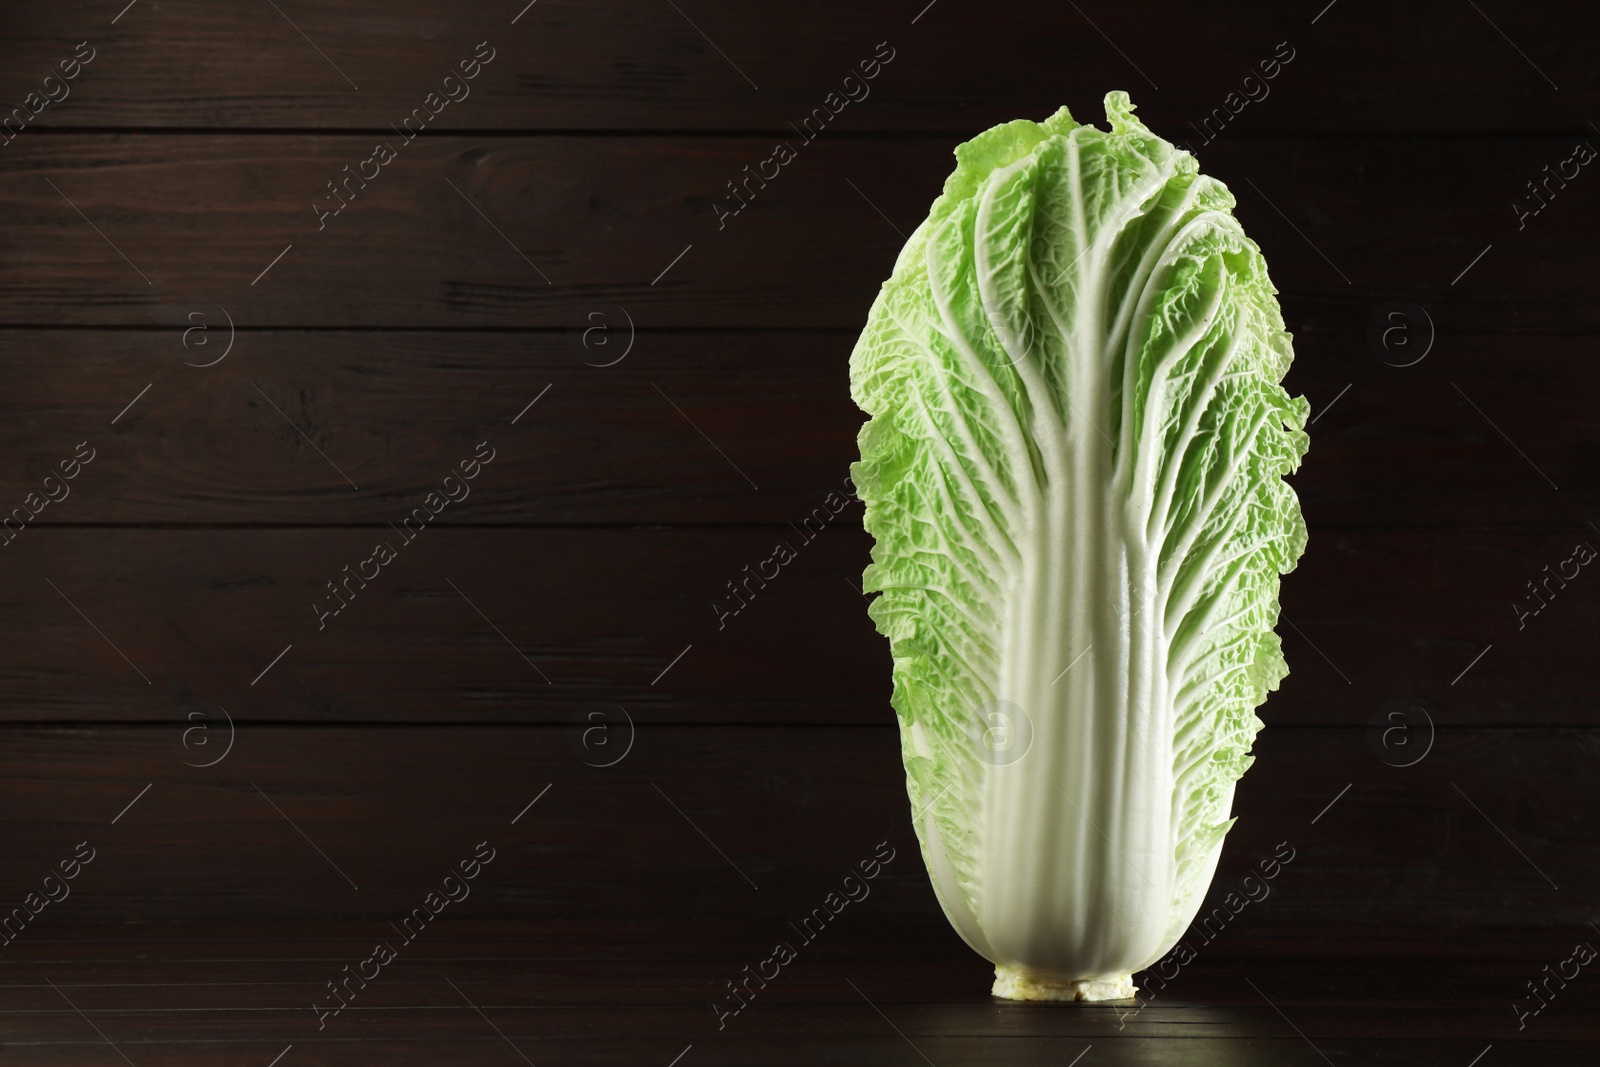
x=1019 y=983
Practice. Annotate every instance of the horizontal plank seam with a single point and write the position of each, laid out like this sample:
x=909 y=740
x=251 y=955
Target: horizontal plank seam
x=67 y=724
x=150 y=327
x=930 y=133
x=1301 y=334
x=641 y=525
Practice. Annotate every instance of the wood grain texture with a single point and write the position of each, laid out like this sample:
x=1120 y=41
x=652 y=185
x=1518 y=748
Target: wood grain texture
x=602 y=1000
x=632 y=64
x=667 y=785
x=395 y=411
x=749 y=826
x=1347 y=223
x=520 y=625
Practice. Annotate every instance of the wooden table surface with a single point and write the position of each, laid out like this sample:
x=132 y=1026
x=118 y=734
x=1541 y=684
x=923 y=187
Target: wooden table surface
x=256 y=789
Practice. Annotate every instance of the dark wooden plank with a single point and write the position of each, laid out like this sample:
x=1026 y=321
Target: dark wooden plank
x=1429 y=760
x=636 y=1005
x=527 y=946
x=814 y=1017
x=606 y=615
x=397 y=410
x=785 y=813
x=632 y=64
x=811 y=1043
x=632 y=221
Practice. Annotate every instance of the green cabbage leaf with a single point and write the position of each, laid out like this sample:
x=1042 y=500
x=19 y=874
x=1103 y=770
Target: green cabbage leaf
x=1073 y=475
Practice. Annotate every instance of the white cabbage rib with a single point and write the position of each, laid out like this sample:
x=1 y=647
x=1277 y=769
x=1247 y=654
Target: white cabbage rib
x=1073 y=475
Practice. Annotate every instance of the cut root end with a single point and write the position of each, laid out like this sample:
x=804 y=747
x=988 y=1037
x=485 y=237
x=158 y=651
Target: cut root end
x=1017 y=983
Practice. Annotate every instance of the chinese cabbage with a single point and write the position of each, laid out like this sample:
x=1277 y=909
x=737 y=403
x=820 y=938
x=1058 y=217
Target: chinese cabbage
x=1072 y=473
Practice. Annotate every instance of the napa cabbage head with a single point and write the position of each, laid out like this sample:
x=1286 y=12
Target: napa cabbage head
x=1073 y=474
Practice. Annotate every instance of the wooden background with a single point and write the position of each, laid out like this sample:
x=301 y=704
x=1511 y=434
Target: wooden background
x=295 y=789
